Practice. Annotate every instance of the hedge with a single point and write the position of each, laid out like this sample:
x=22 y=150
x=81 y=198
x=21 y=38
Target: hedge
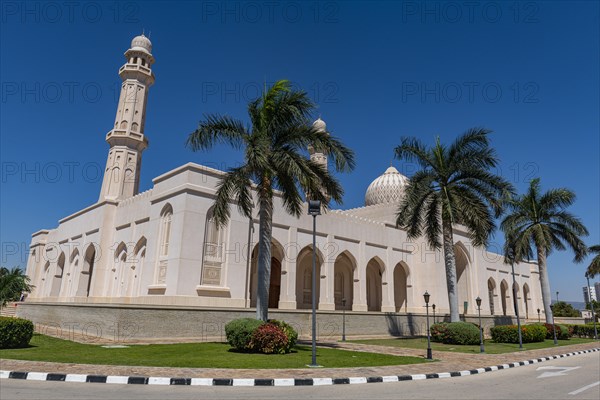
x=15 y=332
x=455 y=333
x=510 y=333
x=562 y=332
x=582 y=331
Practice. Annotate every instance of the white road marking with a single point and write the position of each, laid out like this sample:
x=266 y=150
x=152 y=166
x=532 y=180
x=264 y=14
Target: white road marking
x=559 y=371
x=583 y=389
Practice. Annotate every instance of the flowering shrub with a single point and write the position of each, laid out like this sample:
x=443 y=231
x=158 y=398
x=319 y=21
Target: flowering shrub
x=455 y=333
x=562 y=332
x=510 y=333
x=269 y=338
x=251 y=335
x=290 y=332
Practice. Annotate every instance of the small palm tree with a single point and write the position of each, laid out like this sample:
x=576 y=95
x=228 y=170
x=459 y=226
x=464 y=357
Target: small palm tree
x=594 y=267
x=539 y=220
x=274 y=146
x=454 y=186
x=13 y=283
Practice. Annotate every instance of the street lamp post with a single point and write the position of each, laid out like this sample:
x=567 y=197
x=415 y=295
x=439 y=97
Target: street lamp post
x=516 y=302
x=314 y=209
x=426 y=297
x=591 y=306
x=433 y=308
x=539 y=317
x=481 y=348
x=554 y=323
x=343 y=319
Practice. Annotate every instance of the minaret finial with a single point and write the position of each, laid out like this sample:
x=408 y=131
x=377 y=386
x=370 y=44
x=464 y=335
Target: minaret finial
x=143 y=31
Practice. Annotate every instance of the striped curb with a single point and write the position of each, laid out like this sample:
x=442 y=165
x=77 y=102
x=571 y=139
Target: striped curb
x=144 y=380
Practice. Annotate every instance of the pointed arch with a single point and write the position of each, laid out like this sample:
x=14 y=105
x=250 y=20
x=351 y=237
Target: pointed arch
x=401 y=274
x=344 y=269
x=526 y=293
x=463 y=275
x=375 y=270
x=115 y=277
x=503 y=296
x=491 y=284
x=212 y=250
x=58 y=275
x=277 y=257
x=166 y=220
x=85 y=277
x=46 y=281
x=135 y=267
x=304 y=277
x=516 y=293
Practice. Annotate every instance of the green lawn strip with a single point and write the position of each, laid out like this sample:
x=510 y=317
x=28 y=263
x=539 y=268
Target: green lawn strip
x=490 y=346
x=194 y=355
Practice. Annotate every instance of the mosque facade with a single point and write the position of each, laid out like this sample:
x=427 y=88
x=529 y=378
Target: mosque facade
x=162 y=246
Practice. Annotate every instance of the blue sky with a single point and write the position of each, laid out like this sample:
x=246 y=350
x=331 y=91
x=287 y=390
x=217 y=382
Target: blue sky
x=379 y=71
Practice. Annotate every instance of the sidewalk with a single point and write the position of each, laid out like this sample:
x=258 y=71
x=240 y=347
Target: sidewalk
x=448 y=362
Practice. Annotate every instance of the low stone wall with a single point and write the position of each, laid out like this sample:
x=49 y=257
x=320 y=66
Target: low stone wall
x=128 y=323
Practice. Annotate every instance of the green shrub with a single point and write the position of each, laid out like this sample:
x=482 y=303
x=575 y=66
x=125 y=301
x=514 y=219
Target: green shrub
x=455 y=333
x=15 y=332
x=510 y=333
x=269 y=338
x=239 y=332
x=581 y=330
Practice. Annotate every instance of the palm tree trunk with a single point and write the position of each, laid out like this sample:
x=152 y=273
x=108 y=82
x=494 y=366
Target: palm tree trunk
x=545 y=284
x=264 y=257
x=450 y=263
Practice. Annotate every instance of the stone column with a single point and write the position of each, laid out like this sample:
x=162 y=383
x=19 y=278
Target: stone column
x=287 y=296
x=360 y=285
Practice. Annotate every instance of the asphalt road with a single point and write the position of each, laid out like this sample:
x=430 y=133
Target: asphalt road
x=575 y=377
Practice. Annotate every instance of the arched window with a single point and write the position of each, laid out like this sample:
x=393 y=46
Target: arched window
x=212 y=251
x=166 y=218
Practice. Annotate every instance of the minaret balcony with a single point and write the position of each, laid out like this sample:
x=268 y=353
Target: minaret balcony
x=136 y=71
x=120 y=136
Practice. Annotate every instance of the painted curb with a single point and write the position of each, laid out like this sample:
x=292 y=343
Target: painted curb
x=144 y=380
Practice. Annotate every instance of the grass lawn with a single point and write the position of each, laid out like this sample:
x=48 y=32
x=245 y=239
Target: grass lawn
x=193 y=355
x=490 y=346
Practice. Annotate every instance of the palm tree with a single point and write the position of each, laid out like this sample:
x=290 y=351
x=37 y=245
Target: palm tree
x=594 y=267
x=539 y=220
x=273 y=144
x=13 y=283
x=454 y=186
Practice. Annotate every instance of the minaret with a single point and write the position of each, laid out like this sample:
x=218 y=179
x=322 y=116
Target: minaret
x=320 y=158
x=126 y=139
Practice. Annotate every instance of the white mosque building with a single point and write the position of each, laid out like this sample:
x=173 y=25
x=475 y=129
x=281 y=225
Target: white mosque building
x=161 y=247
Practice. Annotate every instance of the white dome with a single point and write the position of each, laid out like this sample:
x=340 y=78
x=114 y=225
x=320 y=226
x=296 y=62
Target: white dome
x=387 y=188
x=141 y=43
x=320 y=125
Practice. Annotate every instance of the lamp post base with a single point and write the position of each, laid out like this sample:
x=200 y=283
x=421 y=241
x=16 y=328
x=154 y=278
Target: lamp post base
x=429 y=355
